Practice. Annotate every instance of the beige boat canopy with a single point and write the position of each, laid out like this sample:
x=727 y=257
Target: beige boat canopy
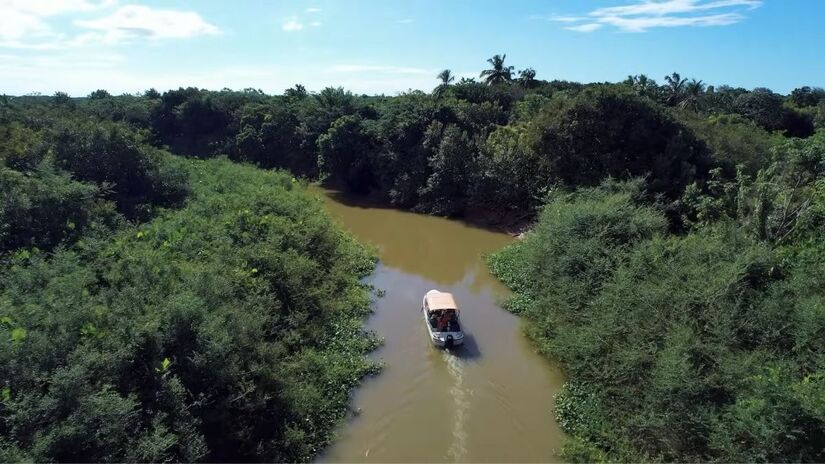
x=441 y=300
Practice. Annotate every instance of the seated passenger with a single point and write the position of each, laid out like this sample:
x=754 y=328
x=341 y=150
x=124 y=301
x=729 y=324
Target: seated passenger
x=443 y=322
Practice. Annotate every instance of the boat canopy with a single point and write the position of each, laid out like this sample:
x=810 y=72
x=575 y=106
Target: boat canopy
x=440 y=300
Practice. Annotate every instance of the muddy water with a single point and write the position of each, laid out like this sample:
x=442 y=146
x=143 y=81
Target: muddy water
x=490 y=400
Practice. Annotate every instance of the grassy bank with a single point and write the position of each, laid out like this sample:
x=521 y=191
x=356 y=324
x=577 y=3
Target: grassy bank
x=229 y=329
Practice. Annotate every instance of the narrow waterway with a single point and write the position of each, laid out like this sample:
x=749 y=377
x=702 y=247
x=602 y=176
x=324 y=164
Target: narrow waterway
x=490 y=400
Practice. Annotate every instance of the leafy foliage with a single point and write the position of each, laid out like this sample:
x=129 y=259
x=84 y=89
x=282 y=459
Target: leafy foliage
x=114 y=158
x=606 y=133
x=576 y=134
x=134 y=330
x=695 y=347
x=227 y=330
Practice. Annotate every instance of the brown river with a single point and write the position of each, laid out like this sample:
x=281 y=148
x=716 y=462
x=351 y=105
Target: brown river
x=489 y=401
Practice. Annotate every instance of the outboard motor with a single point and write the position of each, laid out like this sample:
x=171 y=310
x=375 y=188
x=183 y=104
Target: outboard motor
x=448 y=343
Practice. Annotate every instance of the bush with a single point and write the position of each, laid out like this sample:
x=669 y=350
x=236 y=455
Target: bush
x=345 y=152
x=604 y=132
x=115 y=158
x=513 y=174
x=819 y=118
x=733 y=139
x=43 y=209
x=229 y=330
x=677 y=348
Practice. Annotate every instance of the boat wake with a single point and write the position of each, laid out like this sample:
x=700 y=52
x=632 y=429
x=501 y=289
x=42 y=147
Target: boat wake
x=461 y=399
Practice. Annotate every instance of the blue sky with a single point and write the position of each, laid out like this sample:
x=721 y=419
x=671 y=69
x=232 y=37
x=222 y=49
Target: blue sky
x=381 y=46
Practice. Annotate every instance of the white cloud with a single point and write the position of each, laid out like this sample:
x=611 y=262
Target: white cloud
x=137 y=21
x=25 y=23
x=669 y=7
x=53 y=7
x=315 y=24
x=291 y=25
x=587 y=27
x=14 y=25
x=406 y=21
x=643 y=15
x=313 y=10
x=642 y=24
x=567 y=19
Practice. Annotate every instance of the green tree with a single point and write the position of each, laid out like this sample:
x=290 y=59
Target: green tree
x=99 y=94
x=346 y=152
x=446 y=77
x=498 y=73
x=806 y=96
x=514 y=176
x=527 y=78
x=212 y=333
x=674 y=89
x=111 y=156
x=605 y=132
x=688 y=347
x=819 y=118
x=692 y=97
x=298 y=92
x=44 y=209
x=454 y=170
x=763 y=106
x=63 y=100
x=644 y=86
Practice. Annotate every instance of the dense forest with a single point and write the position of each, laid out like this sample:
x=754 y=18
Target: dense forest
x=161 y=301
x=154 y=308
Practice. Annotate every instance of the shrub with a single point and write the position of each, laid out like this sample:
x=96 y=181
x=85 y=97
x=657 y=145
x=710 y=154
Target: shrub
x=604 y=132
x=677 y=348
x=229 y=330
x=115 y=158
x=43 y=209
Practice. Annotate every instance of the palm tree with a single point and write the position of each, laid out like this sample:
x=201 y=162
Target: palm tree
x=527 y=78
x=499 y=74
x=692 y=93
x=643 y=85
x=446 y=76
x=675 y=88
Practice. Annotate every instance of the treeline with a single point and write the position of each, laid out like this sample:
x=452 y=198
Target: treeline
x=488 y=149
x=154 y=308
x=484 y=149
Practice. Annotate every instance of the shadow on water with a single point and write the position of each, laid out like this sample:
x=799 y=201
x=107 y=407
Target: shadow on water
x=468 y=350
x=436 y=249
x=490 y=222
x=354 y=200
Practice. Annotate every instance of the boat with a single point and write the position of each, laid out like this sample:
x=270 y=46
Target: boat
x=441 y=316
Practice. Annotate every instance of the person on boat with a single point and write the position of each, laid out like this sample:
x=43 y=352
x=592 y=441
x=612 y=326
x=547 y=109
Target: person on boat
x=443 y=322
x=433 y=320
x=453 y=324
